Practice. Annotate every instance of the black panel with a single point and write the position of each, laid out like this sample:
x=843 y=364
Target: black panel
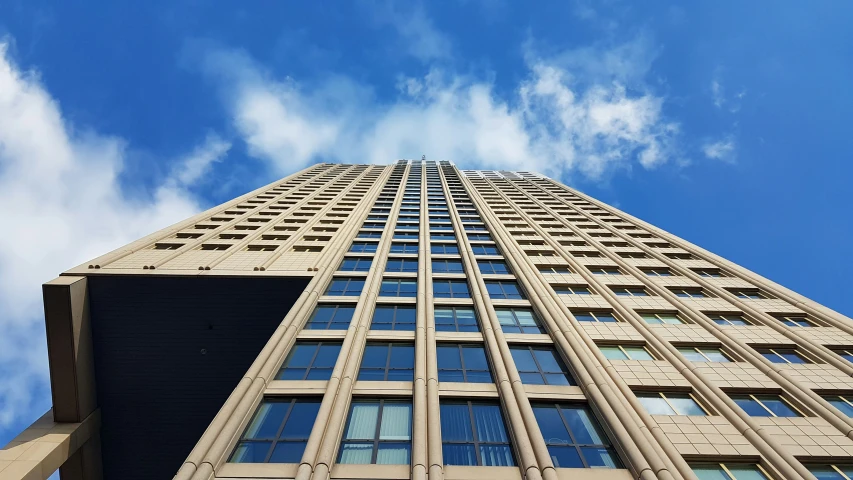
x=168 y=352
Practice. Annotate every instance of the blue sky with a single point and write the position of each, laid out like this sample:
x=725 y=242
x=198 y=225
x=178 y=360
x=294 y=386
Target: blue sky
x=727 y=123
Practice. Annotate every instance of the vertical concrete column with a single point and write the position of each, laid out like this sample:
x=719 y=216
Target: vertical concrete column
x=212 y=446
x=70 y=349
x=534 y=459
x=776 y=456
x=434 y=446
x=338 y=396
x=643 y=454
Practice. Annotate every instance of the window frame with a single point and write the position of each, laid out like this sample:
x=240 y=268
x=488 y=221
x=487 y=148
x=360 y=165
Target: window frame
x=663 y=395
x=754 y=398
x=292 y=400
x=345 y=291
x=400 y=282
x=506 y=296
x=376 y=440
x=625 y=352
x=596 y=427
x=474 y=431
x=459 y=350
x=396 y=308
x=570 y=379
x=387 y=368
x=331 y=321
x=698 y=351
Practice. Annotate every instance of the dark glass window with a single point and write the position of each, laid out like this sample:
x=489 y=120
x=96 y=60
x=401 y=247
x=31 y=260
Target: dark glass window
x=330 y=317
x=444 y=248
x=404 y=248
x=363 y=247
x=405 y=236
x=572 y=290
x=493 y=266
x=479 y=236
x=278 y=432
x=450 y=289
x=447 y=266
x=402 y=265
x=394 y=317
x=540 y=366
x=765 y=406
x=504 y=289
x=574 y=437
x=388 y=361
x=455 y=319
x=783 y=355
x=518 y=320
x=733 y=471
x=484 y=250
x=474 y=433
x=346 y=287
x=398 y=288
x=378 y=432
x=463 y=363
x=310 y=361
x=844 y=403
x=354 y=264
x=369 y=235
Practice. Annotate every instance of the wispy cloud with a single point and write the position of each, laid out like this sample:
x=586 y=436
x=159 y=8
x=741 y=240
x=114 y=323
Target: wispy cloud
x=418 y=35
x=582 y=110
x=723 y=149
x=732 y=103
x=61 y=204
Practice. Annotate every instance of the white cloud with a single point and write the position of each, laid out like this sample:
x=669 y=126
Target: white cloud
x=62 y=204
x=723 y=149
x=721 y=100
x=558 y=119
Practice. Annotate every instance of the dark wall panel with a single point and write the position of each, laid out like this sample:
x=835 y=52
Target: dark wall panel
x=168 y=352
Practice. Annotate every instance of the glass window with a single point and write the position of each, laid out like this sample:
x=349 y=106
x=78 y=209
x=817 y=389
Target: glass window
x=406 y=226
x=402 y=265
x=444 y=248
x=630 y=291
x=662 y=317
x=605 y=317
x=504 y=289
x=765 y=406
x=844 y=403
x=845 y=353
x=795 y=321
x=540 y=366
x=450 y=289
x=442 y=236
x=783 y=355
x=405 y=236
x=555 y=269
x=484 y=249
x=388 y=362
x=369 y=235
x=330 y=317
x=278 y=431
x=462 y=363
x=662 y=403
x=493 y=266
x=356 y=264
x=657 y=272
x=447 y=266
x=605 y=271
x=394 y=317
x=708 y=272
x=729 y=319
x=832 y=472
x=688 y=292
x=479 y=236
x=572 y=290
x=518 y=320
x=346 y=287
x=404 y=248
x=378 y=432
x=730 y=471
x=398 y=288
x=363 y=247
x=704 y=354
x=574 y=437
x=474 y=433
x=747 y=293
x=455 y=319
x=626 y=352
x=310 y=361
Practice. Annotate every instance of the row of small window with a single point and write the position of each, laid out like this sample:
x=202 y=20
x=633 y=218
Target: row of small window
x=434 y=236
x=727 y=319
x=435 y=248
x=789 y=355
x=363 y=264
x=650 y=271
x=497 y=289
x=682 y=292
x=461 y=363
x=447 y=319
x=379 y=431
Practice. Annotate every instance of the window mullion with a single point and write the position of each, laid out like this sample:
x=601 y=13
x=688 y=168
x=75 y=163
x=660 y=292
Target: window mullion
x=280 y=429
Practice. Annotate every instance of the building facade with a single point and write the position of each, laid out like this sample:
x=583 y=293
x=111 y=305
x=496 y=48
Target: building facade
x=437 y=323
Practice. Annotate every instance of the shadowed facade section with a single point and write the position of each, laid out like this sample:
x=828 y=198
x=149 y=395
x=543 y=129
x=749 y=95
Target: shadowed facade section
x=168 y=352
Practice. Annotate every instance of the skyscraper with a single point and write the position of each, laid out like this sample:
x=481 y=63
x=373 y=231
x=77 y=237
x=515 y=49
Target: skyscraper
x=421 y=321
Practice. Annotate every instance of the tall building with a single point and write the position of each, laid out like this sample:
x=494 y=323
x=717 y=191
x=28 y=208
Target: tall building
x=420 y=321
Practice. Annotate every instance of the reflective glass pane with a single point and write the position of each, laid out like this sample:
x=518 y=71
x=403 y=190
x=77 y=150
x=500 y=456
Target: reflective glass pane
x=455 y=454
x=565 y=457
x=251 y=452
x=301 y=420
x=475 y=358
x=448 y=357
x=710 y=472
x=655 y=404
x=598 y=457
x=288 y=452
x=489 y=423
x=746 y=472
x=685 y=405
x=362 y=421
x=551 y=425
x=393 y=454
x=267 y=420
